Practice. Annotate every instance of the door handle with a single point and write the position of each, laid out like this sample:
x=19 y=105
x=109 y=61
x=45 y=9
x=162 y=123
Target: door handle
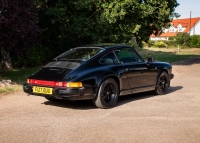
x=148 y=64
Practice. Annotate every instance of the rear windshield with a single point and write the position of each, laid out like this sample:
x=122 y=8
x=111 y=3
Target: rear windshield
x=79 y=54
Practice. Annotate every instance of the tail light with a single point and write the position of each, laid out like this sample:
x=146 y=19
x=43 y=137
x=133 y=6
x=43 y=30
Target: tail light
x=55 y=83
x=74 y=84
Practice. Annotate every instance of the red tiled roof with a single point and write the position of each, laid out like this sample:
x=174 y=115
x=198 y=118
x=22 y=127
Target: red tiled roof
x=167 y=34
x=184 y=23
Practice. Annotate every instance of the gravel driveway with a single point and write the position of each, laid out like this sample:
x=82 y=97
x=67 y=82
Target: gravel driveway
x=138 y=118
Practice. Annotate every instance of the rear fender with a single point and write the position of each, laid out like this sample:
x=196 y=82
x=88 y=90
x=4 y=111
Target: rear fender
x=107 y=77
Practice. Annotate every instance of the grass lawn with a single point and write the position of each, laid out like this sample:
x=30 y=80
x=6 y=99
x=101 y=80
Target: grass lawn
x=19 y=76
x=6 y=90
x=170 y=55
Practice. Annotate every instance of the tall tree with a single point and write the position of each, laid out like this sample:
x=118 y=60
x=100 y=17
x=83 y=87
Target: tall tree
x=70 y=23
x=140 y=18
x=18 y=28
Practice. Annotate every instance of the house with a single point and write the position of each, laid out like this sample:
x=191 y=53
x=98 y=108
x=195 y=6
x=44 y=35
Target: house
x=187 y=25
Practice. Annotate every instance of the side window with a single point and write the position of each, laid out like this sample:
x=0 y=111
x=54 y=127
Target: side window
x=126 y=55
x=108 y=59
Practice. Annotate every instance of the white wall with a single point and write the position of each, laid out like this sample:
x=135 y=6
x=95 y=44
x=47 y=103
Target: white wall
x=196 y=29
x=158 y=38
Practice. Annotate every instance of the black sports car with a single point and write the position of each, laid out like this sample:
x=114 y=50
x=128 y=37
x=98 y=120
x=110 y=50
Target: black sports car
x=100 y=73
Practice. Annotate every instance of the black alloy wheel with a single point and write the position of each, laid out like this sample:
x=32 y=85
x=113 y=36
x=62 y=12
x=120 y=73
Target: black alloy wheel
x=107 y=95
x=162 y=84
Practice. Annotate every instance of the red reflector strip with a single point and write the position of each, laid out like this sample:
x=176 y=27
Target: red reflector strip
x=48 y=83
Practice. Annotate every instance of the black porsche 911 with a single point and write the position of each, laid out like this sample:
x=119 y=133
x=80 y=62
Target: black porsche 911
x=99 y=73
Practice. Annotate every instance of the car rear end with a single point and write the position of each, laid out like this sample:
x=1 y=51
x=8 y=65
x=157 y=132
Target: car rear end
x=55 y=89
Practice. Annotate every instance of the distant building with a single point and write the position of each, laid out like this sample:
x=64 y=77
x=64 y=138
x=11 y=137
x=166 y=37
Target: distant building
x=187 y=25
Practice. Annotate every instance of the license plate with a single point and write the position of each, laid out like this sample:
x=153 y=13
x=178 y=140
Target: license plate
x=42 y=90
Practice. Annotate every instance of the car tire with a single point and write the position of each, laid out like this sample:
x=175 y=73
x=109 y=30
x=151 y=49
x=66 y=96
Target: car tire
x=52 y=99
x=107 y=95
x=162 y=84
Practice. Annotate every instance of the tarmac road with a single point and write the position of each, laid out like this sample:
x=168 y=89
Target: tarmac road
x=137 y=118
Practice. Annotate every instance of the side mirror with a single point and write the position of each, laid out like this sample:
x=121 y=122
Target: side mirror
x=150 y=60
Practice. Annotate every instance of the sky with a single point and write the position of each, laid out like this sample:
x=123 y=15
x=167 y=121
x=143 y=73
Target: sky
x=186 y=6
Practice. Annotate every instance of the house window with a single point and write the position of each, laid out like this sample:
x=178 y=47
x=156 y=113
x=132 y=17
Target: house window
x=163 y=30
x=171 y=29
x=180 y=30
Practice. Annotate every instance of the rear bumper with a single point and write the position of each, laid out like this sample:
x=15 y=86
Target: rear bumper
x=64 y=93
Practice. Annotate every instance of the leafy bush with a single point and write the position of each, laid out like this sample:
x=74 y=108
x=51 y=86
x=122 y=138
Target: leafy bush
x=183 y=39
x=151 y=43
x=195 y=41
x=171 y=43
x=158 y=44
x=34 y=57
x=171 y=38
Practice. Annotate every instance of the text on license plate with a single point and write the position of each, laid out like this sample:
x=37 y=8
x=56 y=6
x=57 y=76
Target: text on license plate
x=42 y=90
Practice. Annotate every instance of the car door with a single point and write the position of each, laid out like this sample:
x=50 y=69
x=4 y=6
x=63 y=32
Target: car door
x=113 y=64
x=139 y=73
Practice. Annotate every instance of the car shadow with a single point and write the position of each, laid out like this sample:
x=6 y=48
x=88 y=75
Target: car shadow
x=144 y=95
x=174 y=88
x=88 y=105
x=79 y=104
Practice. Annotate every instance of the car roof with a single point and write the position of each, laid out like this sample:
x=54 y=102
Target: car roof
x=105 y=46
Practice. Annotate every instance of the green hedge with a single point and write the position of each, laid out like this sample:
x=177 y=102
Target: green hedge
x=195 y=41
x=161 y=44
x=182 y=39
